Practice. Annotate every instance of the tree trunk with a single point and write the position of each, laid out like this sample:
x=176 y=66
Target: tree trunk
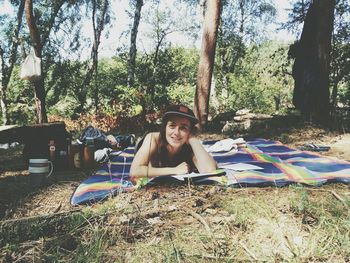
x=38 y=84
x=3 y=105
x=3 y=88
x=98 y=28
x=206 y=62
x=312 y=62
x=133 y=50
x=334 y=98
x=6 y=70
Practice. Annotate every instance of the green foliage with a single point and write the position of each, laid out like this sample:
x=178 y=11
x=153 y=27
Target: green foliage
x=249 y=71
x=65 y=107
x=344 y=94
x=247 y=19
x=182 y=94
x=258 y=82
x=127 y=100
x=20 y=98
x=176 y=67
x=262 y=83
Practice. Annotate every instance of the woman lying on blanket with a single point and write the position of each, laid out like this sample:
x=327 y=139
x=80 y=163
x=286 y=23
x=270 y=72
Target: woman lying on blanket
x=173 y=150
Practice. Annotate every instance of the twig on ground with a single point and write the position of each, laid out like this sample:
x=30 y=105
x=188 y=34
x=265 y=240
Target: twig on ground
x=330 y=240
x=199 y=218
x=58 y=207
x=201 y=255
x=290 y=246
x=189 y=186
x=24 y=256
x=250 y=253
x=39 y=201
x=338 y=197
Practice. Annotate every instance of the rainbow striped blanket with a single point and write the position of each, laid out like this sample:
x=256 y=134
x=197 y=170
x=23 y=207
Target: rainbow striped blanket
x=261 y=163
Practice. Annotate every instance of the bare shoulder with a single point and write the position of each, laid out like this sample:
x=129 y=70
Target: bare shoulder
x=151 y=140
x=153 y=136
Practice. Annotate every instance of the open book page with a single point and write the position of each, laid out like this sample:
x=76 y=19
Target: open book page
x=241 y=167
x=182 y=177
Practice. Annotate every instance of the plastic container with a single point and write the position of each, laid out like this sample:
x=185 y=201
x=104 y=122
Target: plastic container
x=88 y=153
x=52 y=150
x=75 y=156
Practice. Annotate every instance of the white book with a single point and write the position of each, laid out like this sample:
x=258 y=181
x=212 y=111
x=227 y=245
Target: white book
x=241 y=167
x=182 y=177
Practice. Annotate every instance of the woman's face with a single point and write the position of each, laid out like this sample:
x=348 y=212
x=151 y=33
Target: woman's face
x=177 y=131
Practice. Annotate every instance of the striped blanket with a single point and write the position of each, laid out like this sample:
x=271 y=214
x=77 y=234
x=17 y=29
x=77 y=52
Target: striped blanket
x=261 y=163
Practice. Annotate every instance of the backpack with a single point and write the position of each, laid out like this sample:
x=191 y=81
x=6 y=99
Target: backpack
x=94 y=136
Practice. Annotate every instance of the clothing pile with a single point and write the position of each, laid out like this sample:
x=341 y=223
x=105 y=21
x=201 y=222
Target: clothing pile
x=102 y=146
x=227 y=145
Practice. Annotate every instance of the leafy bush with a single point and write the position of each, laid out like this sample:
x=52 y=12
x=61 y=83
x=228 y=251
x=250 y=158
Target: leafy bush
x=182 y=94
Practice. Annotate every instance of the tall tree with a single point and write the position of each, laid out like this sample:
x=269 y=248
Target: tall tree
x=133 y=50
x=312 y=59
x=37 y=45
x=44 y=20
x=206 y=61
x=39 y=38
x=99 y=20
x=340 y=42
x=7 y=66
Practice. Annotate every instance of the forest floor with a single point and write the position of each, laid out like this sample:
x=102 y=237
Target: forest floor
x=181 y=223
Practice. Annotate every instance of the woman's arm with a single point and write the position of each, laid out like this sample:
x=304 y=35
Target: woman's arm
x=204 y=162
x=141 y=165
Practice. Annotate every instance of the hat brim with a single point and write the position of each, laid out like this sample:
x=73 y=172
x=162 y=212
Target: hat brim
x=194 y=120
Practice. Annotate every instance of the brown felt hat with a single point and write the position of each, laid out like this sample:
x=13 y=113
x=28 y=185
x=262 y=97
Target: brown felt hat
x=180 y=110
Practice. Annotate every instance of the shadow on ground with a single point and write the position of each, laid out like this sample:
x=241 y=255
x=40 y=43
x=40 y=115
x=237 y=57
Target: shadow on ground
x=17 y=187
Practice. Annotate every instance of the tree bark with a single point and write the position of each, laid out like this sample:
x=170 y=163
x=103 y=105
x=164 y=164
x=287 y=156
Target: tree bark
x=6 y=70
x=133 y=50
x=3 y=89
x=92 y=67
x=311 y=67
x=206 y=62
x=40 y=94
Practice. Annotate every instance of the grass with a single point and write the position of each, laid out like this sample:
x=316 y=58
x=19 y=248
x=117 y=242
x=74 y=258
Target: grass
x=294 y=224
x=201 y=224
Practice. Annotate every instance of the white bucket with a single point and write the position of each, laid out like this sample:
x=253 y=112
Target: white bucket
x=40 y=167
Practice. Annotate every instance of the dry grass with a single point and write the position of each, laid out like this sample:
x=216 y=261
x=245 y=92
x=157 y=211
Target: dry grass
x=206 y=224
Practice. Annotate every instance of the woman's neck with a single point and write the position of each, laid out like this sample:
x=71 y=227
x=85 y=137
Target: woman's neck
x=172 y=151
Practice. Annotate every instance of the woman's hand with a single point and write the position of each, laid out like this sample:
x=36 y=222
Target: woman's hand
x=203 y=161
x=182 y=168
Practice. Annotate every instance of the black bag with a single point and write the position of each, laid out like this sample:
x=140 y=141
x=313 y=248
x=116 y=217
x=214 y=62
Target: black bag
x=124 y=141
x=98 y=138
x=95 y=136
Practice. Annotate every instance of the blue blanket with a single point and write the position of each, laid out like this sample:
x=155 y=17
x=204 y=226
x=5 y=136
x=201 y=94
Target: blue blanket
x=261 y=163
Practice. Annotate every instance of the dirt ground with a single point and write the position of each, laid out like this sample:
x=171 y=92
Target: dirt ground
x=18 y=198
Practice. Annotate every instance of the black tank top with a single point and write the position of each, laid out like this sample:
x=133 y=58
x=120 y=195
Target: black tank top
x=184 y=155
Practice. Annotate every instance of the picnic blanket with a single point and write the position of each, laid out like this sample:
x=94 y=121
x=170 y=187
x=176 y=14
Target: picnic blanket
x=261 y=163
